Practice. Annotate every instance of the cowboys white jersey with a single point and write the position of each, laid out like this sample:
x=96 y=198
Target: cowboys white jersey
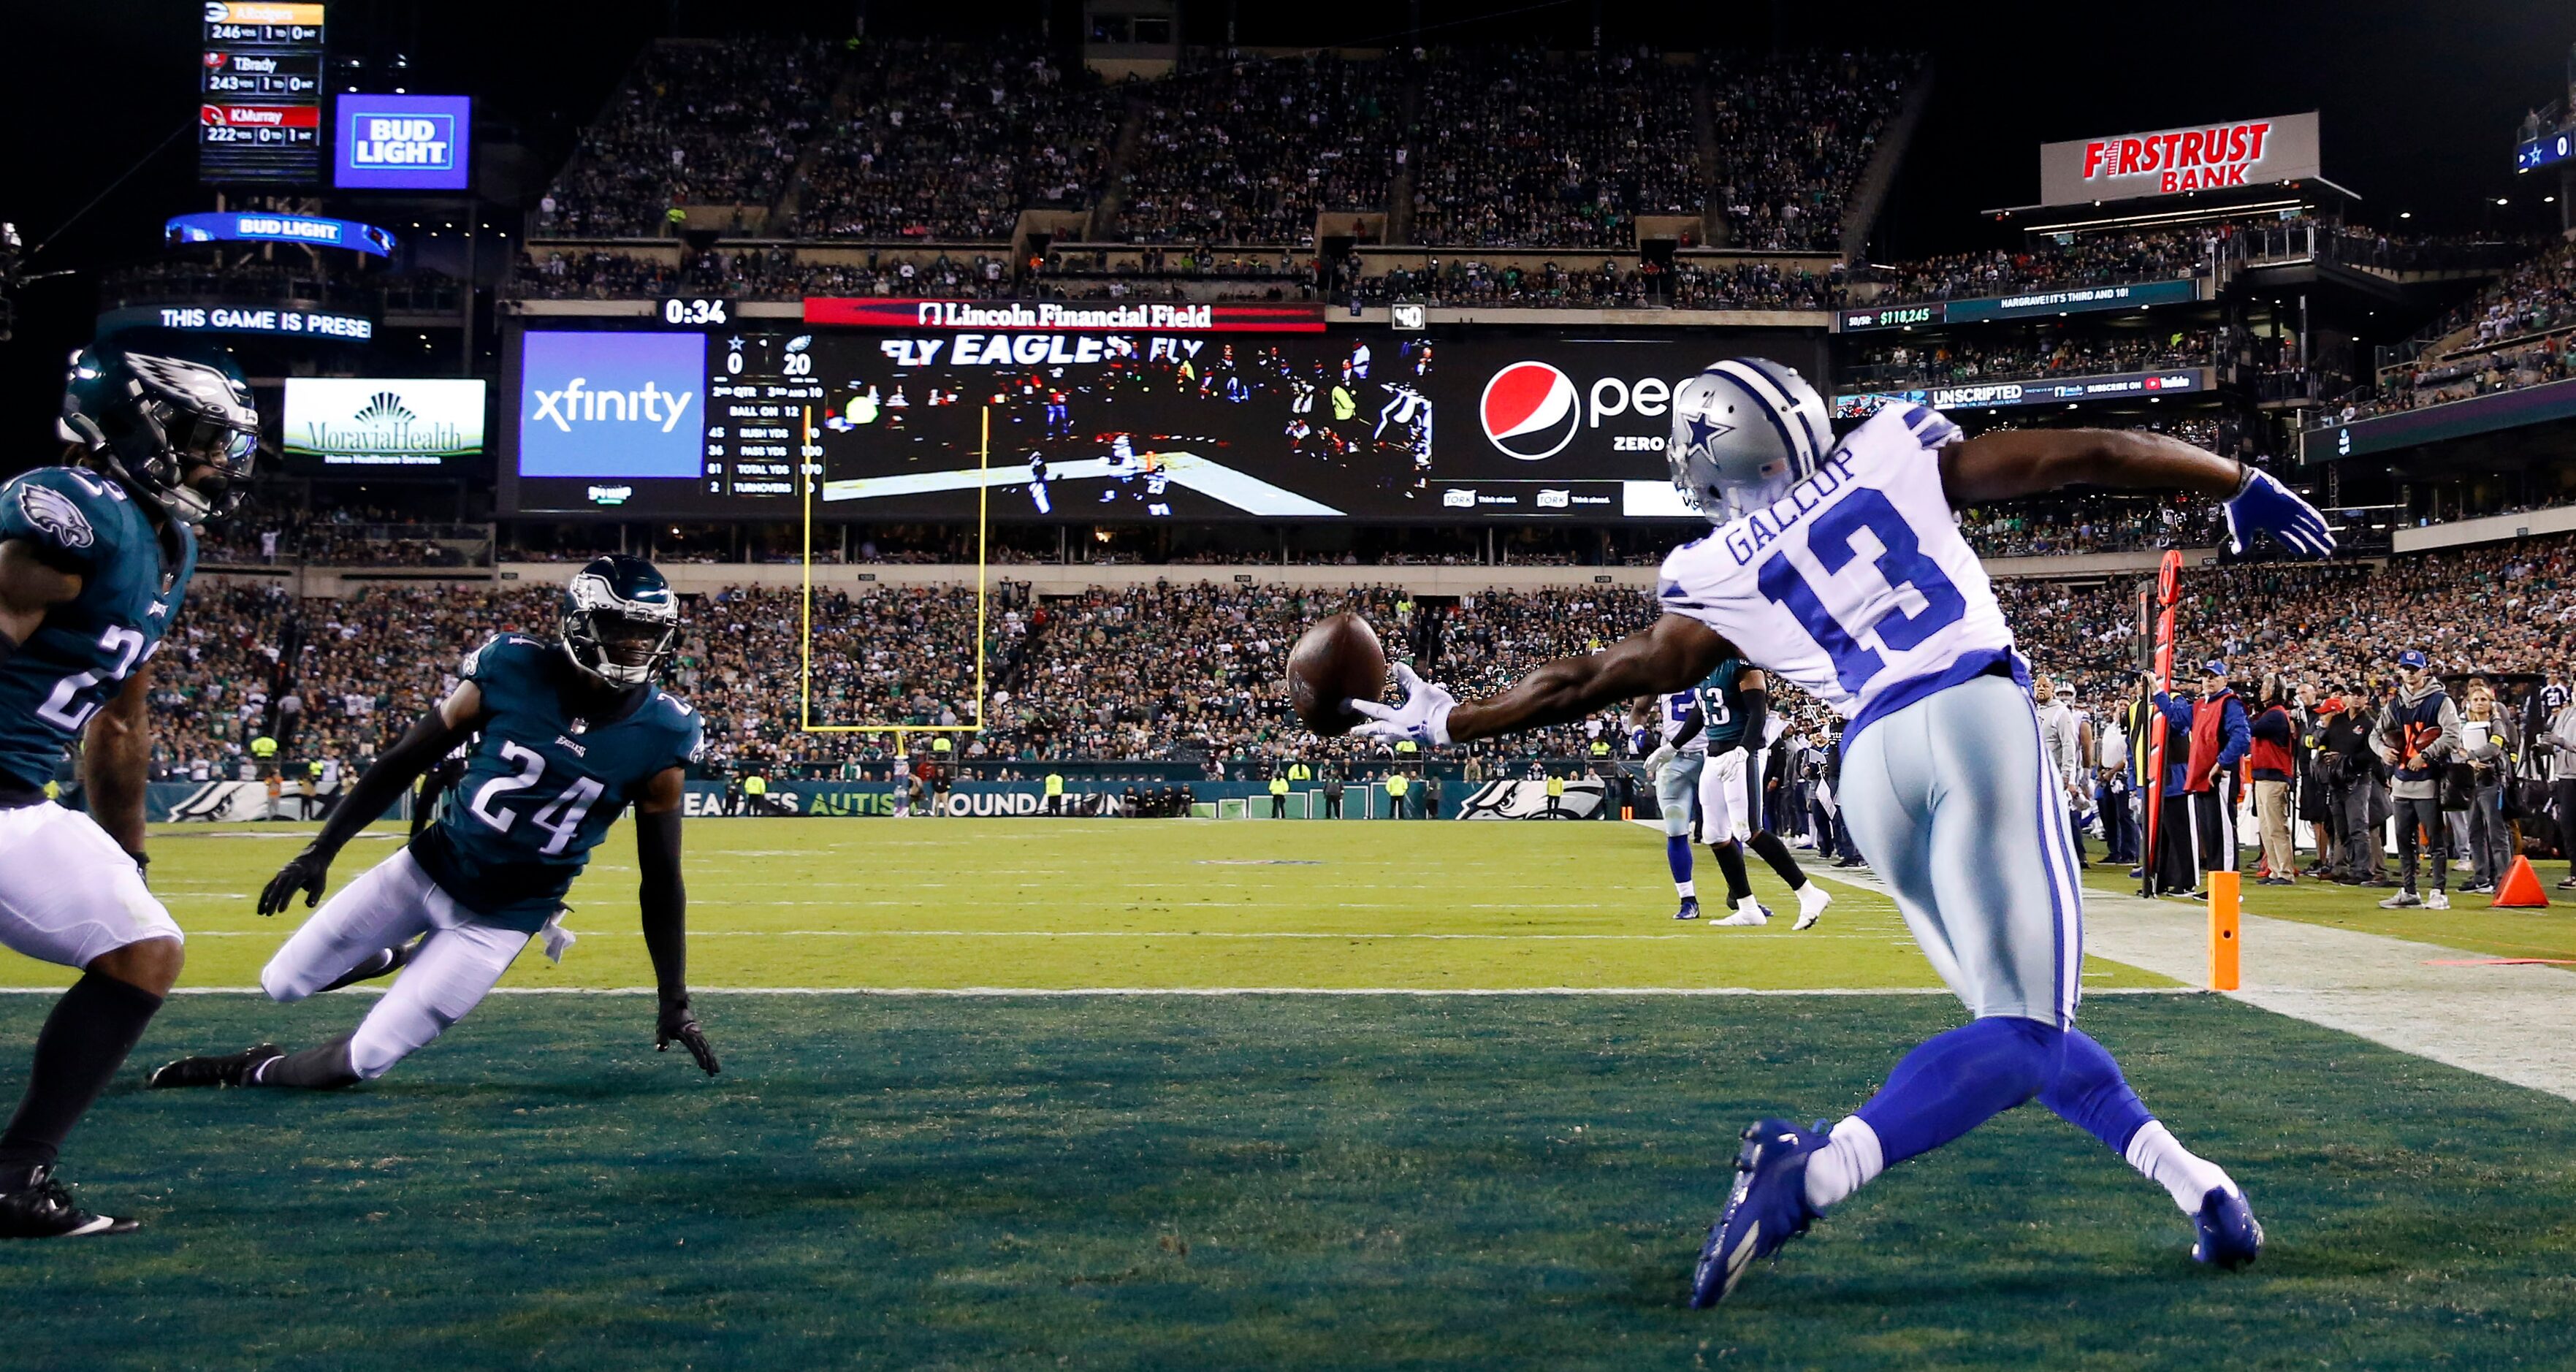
x=1677 y=708
x=1856 y=584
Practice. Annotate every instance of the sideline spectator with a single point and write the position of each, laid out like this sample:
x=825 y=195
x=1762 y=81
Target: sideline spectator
x=2274 y=734
x=2418 y=732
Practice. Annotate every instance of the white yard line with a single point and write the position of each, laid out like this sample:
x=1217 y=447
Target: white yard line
x=2513 y=1023
x=1064 y=992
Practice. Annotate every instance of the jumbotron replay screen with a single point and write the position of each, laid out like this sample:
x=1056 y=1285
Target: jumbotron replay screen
x=1122 y=427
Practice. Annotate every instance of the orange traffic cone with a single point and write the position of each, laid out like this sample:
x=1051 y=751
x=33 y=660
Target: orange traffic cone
x=2521 y=889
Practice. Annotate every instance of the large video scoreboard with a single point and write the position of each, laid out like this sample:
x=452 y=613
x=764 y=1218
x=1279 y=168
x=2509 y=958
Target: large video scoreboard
x=259 y=94
x=905 y=410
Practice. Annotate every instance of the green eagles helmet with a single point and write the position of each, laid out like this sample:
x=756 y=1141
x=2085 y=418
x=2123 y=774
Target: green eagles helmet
x=153 y=420
x=620 y=620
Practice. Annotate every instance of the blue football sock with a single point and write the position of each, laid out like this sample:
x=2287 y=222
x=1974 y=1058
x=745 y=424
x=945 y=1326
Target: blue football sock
x=1953 y=1082
x=2090 y=1094
x=1677 y=851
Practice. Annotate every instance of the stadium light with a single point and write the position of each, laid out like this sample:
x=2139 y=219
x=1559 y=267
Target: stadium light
x=2405 y=214
x=2502 y=201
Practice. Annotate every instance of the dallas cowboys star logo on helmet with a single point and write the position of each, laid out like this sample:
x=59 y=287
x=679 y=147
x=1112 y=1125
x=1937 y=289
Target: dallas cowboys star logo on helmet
x=1703 y=428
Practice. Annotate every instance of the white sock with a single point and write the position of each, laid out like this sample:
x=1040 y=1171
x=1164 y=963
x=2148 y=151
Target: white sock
x=1847 y=1161
x=2184 y=1174
x=1689 y=889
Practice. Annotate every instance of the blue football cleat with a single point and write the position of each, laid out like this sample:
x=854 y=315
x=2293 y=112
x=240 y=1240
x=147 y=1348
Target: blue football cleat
x=1767 y=1208
x=2230 y=1236
x=1690 y=908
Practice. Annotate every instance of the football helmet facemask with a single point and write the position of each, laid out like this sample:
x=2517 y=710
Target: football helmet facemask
x=620 y=620
x=181 y=432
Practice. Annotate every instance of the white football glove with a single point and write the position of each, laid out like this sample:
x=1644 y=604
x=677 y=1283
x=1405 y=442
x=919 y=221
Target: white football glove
x=1657 y=761
x=1423 y=717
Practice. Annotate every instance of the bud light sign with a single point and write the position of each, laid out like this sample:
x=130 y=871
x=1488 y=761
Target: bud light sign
x=611 y=404
x=403 y=142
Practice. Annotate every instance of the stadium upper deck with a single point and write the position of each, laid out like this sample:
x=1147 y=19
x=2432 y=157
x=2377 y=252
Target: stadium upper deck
x=1466 y=147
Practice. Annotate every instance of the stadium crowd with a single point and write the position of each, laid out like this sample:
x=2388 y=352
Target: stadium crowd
x=1172 y=671
x=2093 y=260
x=2519 y=332
x=1249 y=150
x=948 y=142
x=2056 y=352
x=1792 y=134
x=1524 y=148
x=1485 y=146
x=714 y=122
x=1686 y=285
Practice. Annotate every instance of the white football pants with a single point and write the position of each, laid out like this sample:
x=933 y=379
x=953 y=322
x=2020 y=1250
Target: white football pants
x=457 y=965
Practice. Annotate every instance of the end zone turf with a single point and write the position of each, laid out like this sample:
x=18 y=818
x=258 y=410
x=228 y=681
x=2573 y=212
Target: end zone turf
x=1265 y=1182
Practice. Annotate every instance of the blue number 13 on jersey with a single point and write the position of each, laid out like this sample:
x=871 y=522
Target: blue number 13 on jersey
x=1900 y=560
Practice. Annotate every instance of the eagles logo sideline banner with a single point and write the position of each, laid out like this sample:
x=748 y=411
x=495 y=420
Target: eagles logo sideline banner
x=1528 y=800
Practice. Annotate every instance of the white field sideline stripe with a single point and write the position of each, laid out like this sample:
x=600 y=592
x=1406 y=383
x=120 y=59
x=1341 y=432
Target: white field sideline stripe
x=1051 y=992
x=1808 y=937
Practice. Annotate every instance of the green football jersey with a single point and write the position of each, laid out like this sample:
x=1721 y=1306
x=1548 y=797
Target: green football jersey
x=86 y=648
x=1721 y=702
x=543 y=783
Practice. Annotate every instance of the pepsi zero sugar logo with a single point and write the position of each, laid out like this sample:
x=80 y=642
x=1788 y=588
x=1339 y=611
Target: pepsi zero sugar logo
x=611 y=404
x=1529 y=410
x=1532 y=410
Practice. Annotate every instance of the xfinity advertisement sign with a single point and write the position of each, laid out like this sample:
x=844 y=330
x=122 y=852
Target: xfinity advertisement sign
x=623 y=405
x=403 y=142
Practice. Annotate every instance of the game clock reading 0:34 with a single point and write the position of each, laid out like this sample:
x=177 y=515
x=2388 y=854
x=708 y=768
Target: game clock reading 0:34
x=695 y=311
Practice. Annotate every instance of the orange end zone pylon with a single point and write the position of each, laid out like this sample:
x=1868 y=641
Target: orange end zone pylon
x=2521 y=889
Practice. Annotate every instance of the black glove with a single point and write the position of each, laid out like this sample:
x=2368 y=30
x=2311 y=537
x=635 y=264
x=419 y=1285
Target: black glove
x=306 y=872
x=676 y=1023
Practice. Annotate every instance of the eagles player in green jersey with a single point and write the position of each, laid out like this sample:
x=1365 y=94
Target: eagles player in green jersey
x=95 y=557
x=1737 y=700
x=566 y=735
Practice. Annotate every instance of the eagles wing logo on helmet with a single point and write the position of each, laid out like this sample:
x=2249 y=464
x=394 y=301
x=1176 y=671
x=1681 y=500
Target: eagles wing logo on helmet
x=52 y=511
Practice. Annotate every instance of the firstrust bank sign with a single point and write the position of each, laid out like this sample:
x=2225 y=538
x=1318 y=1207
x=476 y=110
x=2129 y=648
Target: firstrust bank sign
x=2200 y=157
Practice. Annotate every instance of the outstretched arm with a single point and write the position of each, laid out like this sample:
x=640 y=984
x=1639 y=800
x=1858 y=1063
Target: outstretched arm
x=1675 y=652
x=431 y=737
x=2018 y=462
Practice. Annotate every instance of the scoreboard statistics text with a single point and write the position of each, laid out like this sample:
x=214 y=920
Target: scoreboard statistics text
x=259 y=94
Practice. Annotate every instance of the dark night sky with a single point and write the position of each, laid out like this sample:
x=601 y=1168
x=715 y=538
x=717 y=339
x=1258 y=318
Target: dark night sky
x=2419 y=101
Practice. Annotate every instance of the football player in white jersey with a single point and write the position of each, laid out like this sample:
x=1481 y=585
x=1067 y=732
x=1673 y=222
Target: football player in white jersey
x=1675 y=767
x=1841 y=569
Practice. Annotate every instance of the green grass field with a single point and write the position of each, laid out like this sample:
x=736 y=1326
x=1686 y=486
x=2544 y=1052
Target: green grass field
x=1247 y=1180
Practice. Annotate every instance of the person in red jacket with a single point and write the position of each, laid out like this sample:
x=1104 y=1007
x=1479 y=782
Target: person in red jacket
x=2219 y=740
x=2274 y=734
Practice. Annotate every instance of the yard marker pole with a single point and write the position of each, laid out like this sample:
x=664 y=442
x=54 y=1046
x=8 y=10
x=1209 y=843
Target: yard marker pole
x=2222 y=931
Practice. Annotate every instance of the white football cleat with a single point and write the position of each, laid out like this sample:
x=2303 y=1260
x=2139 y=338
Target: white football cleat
x=2435 y=900
x=1751 y=914
x=1812 y=901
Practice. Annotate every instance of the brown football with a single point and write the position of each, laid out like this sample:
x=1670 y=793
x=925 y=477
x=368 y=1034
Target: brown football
x=1338 y=660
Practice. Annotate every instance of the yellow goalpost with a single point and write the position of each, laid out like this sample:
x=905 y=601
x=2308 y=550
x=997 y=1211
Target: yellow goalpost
x=808 y=466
